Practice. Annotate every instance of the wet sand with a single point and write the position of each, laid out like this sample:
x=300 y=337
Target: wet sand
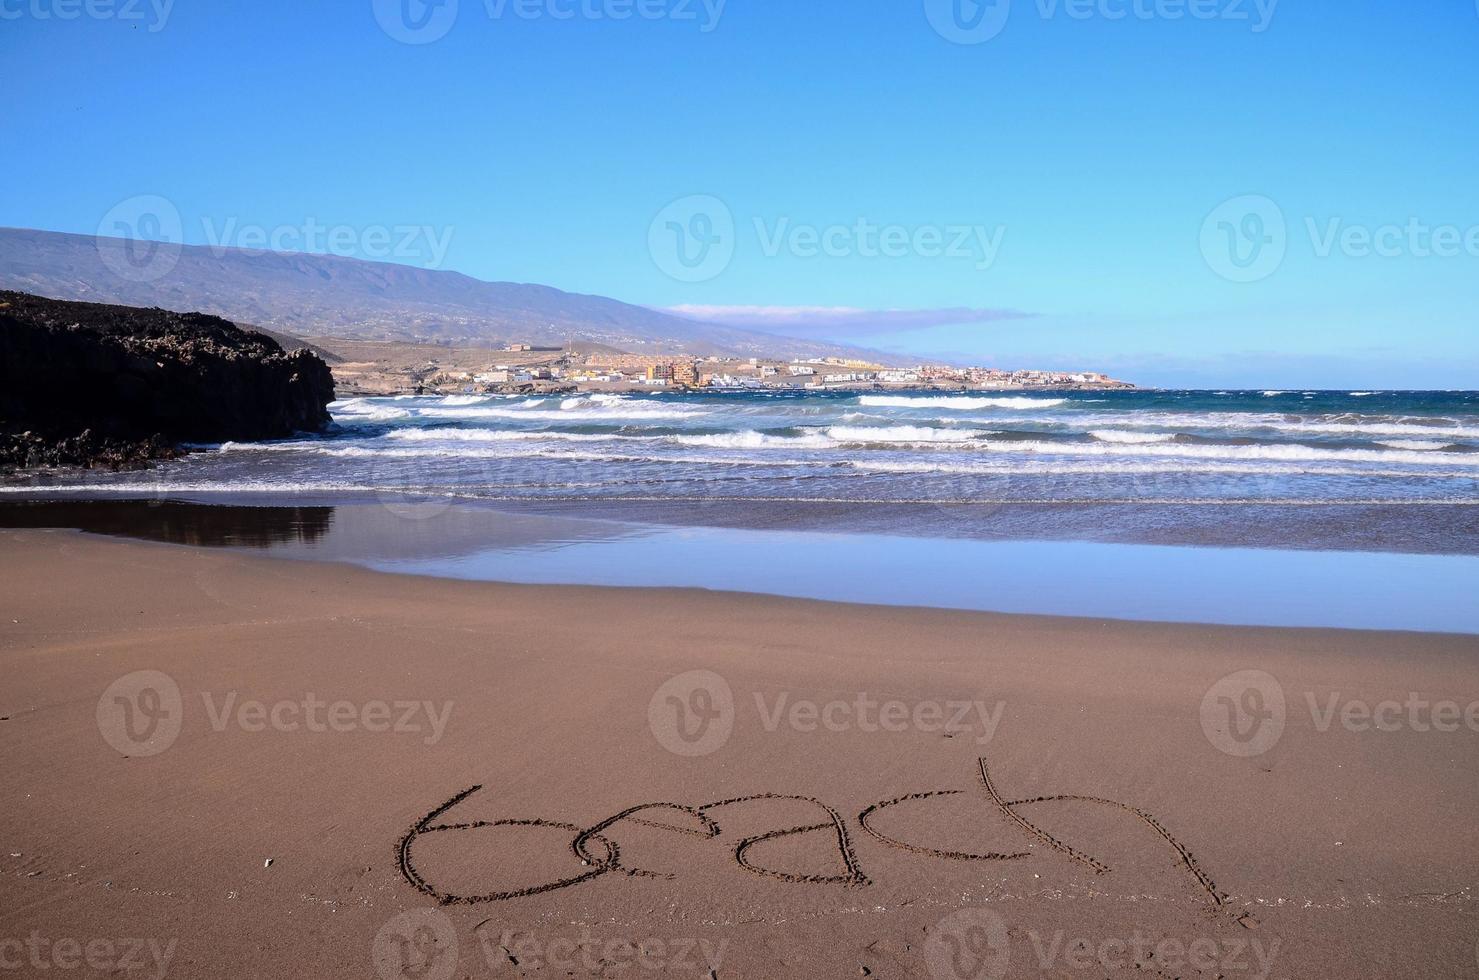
x=332 y=772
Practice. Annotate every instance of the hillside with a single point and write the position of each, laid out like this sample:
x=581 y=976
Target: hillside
x=323 y=295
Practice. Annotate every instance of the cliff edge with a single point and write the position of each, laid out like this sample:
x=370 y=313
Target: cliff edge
x=88 y=384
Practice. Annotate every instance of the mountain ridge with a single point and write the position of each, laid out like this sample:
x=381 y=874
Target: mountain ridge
x=301 y=293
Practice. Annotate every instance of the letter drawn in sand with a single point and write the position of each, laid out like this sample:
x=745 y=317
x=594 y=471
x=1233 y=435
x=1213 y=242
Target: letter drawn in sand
x=594 y=852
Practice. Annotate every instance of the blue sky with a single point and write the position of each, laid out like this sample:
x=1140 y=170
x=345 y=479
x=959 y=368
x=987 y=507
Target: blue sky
x=1074 y=154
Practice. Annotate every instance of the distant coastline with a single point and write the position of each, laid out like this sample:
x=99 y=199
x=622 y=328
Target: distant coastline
x=380 y=368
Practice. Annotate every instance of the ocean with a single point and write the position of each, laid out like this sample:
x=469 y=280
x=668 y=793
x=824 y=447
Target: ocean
x=1278 y=507
x=980 y=453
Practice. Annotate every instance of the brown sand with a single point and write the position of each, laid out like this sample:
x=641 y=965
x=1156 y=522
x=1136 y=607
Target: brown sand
x=1340 y=853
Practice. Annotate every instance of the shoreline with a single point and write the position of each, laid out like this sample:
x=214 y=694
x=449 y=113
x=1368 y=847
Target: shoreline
x=1197 y=582
x=639 y=592
x=1334 y=848
x=1267 y=524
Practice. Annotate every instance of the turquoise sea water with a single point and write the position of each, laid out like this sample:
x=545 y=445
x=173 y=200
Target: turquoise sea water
x=1287 y=508
x=1395 y=471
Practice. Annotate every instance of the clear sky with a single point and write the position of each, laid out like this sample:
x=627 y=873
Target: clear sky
x=1022 y=183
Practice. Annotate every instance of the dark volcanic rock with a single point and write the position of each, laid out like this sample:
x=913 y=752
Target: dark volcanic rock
x=85 y=384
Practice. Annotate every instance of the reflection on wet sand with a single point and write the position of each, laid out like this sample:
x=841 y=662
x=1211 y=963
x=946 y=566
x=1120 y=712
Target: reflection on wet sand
x=175 y=522
x=357 y=532
x=1245 y=586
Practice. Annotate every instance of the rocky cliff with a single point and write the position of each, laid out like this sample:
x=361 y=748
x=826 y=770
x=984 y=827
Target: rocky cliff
x=86 y=384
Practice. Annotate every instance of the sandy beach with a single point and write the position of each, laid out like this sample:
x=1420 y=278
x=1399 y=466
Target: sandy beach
x=331 y=772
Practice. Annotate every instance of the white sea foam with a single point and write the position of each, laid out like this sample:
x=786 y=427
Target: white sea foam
x=754 y=440
x=1004 y=466
x=593 y=411
x=365 y=410
x=498 y=435
x=1115 y=435
x=902 y=433
x=1343 y=424
x=1282 y=453
x=957 y=402
x=1417 y=445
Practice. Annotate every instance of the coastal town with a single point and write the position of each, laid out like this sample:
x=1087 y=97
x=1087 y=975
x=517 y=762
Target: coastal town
x=366 y=367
